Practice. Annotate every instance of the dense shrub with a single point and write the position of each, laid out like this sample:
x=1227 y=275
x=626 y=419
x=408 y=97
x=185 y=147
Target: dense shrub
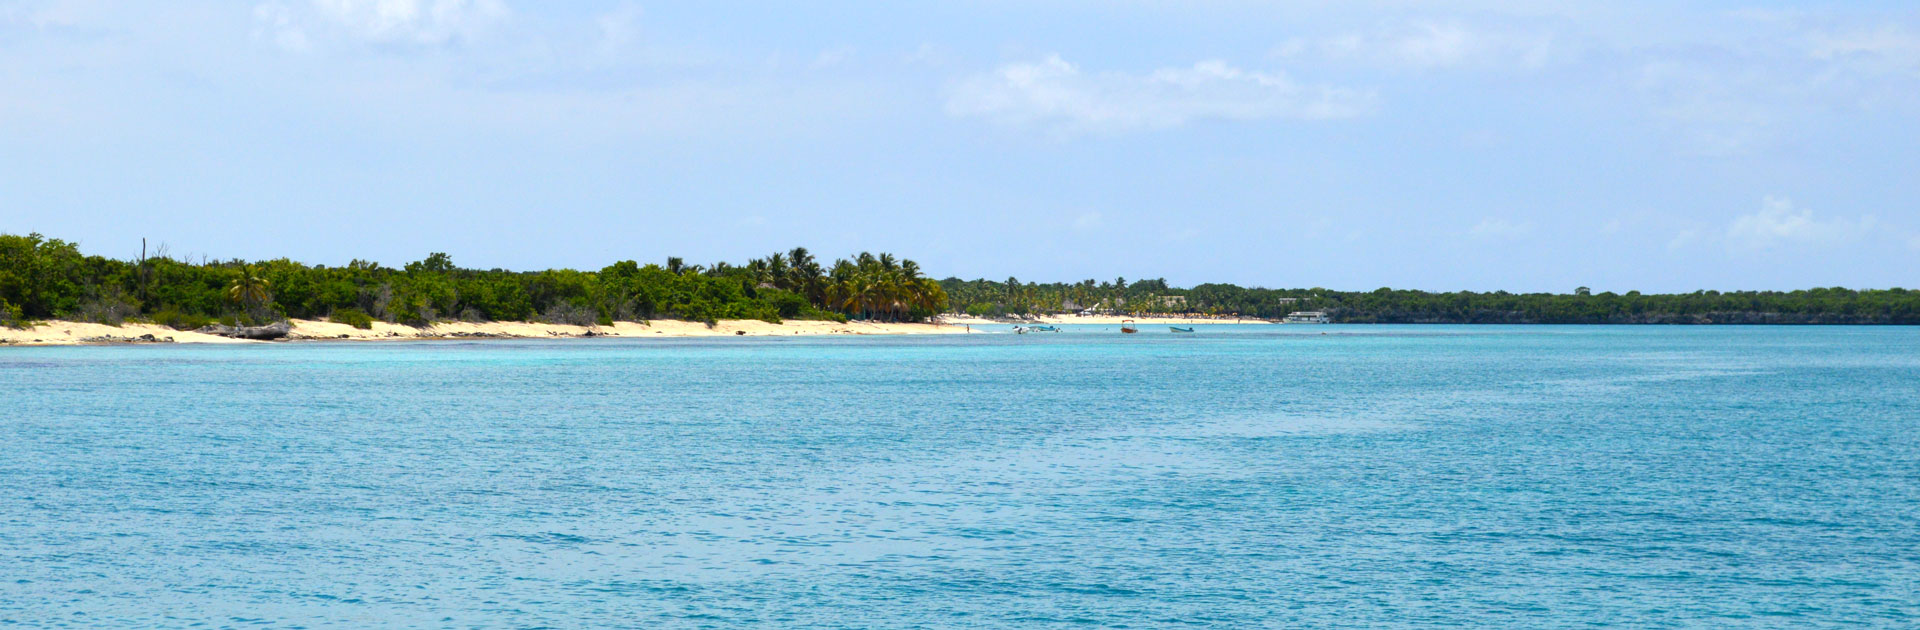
x=787 y=304
x=352 y=317
x=10 y=316
x=172 y=317
x=570 y=314
x=43 y=276
x=107 y=307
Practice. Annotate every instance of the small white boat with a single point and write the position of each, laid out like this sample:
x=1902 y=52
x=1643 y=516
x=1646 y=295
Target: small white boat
x=1306 y=317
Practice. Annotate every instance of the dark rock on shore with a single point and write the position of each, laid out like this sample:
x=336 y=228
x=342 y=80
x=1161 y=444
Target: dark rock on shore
x=590 y=333
x=148 y=338
x=274 y=330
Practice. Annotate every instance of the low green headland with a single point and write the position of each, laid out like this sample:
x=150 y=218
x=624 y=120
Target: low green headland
x=42 y=278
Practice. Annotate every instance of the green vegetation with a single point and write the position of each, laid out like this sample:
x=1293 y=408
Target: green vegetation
x=10 y=315
x=181 y=321
x=1814 y=306
x=352 y=317
x=43 y=278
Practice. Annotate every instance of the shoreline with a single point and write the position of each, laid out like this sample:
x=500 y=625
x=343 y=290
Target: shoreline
x=1102 y=320
x=69 y=333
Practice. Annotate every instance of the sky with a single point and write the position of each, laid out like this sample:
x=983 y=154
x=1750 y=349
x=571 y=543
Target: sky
x=1482 y=145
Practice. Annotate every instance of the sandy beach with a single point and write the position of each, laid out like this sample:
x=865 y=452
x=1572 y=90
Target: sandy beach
x=64 y=333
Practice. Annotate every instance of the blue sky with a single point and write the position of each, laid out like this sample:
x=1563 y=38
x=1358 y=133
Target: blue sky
x=1543 y=145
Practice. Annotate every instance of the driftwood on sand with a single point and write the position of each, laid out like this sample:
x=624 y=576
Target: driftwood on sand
x=274 y=330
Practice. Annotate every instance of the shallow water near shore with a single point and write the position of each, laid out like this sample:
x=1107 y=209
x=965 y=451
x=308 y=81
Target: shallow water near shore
x=1242 y=476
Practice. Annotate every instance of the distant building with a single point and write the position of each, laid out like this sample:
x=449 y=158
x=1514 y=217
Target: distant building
x=1172 y=301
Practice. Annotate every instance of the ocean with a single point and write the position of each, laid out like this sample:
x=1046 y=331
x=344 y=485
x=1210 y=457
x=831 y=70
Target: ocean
x=1255 y=476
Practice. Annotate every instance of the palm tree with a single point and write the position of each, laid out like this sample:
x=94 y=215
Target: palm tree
x=801 y=261
x=930 y=295
x=778 y=271
x=866 y=287
x=800 y=274
x=894 y=294
x=854 y=295
x=249 y=289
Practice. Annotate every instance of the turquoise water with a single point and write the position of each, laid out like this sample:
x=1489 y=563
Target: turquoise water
x=1250 y=476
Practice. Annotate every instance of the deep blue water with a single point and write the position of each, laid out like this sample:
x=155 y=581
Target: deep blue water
x=1252 y=476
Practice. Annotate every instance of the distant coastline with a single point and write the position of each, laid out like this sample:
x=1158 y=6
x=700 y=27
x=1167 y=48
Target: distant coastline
x=1154 y=297
x=51 y=293
x=1743 y=318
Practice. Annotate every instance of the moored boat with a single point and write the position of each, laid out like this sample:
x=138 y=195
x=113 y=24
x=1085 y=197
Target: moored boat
x=1307 y=317
x=1181 y=330
x=1126 y=326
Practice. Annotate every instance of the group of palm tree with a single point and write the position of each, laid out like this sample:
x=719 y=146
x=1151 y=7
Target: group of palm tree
x=868 y=287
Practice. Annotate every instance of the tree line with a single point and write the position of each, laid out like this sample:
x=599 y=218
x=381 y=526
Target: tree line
x=43 y=278
x=1013 y=298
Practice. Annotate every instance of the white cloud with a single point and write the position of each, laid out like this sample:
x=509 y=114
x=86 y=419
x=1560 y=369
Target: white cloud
x=832 y=57
x=1651 y=229
x=1088 y=221
x=1733 y=94
x=619 y=28
x=1889 y=44
x=1717 y=111
x=58 y=13
x=296 y=26
x=1427 y=45
x=419 y=21
x=1057 y=93
x=1499 y=229
x=928 y=54
x=276 y=23
x=1779 y=223
x=1683 y=239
